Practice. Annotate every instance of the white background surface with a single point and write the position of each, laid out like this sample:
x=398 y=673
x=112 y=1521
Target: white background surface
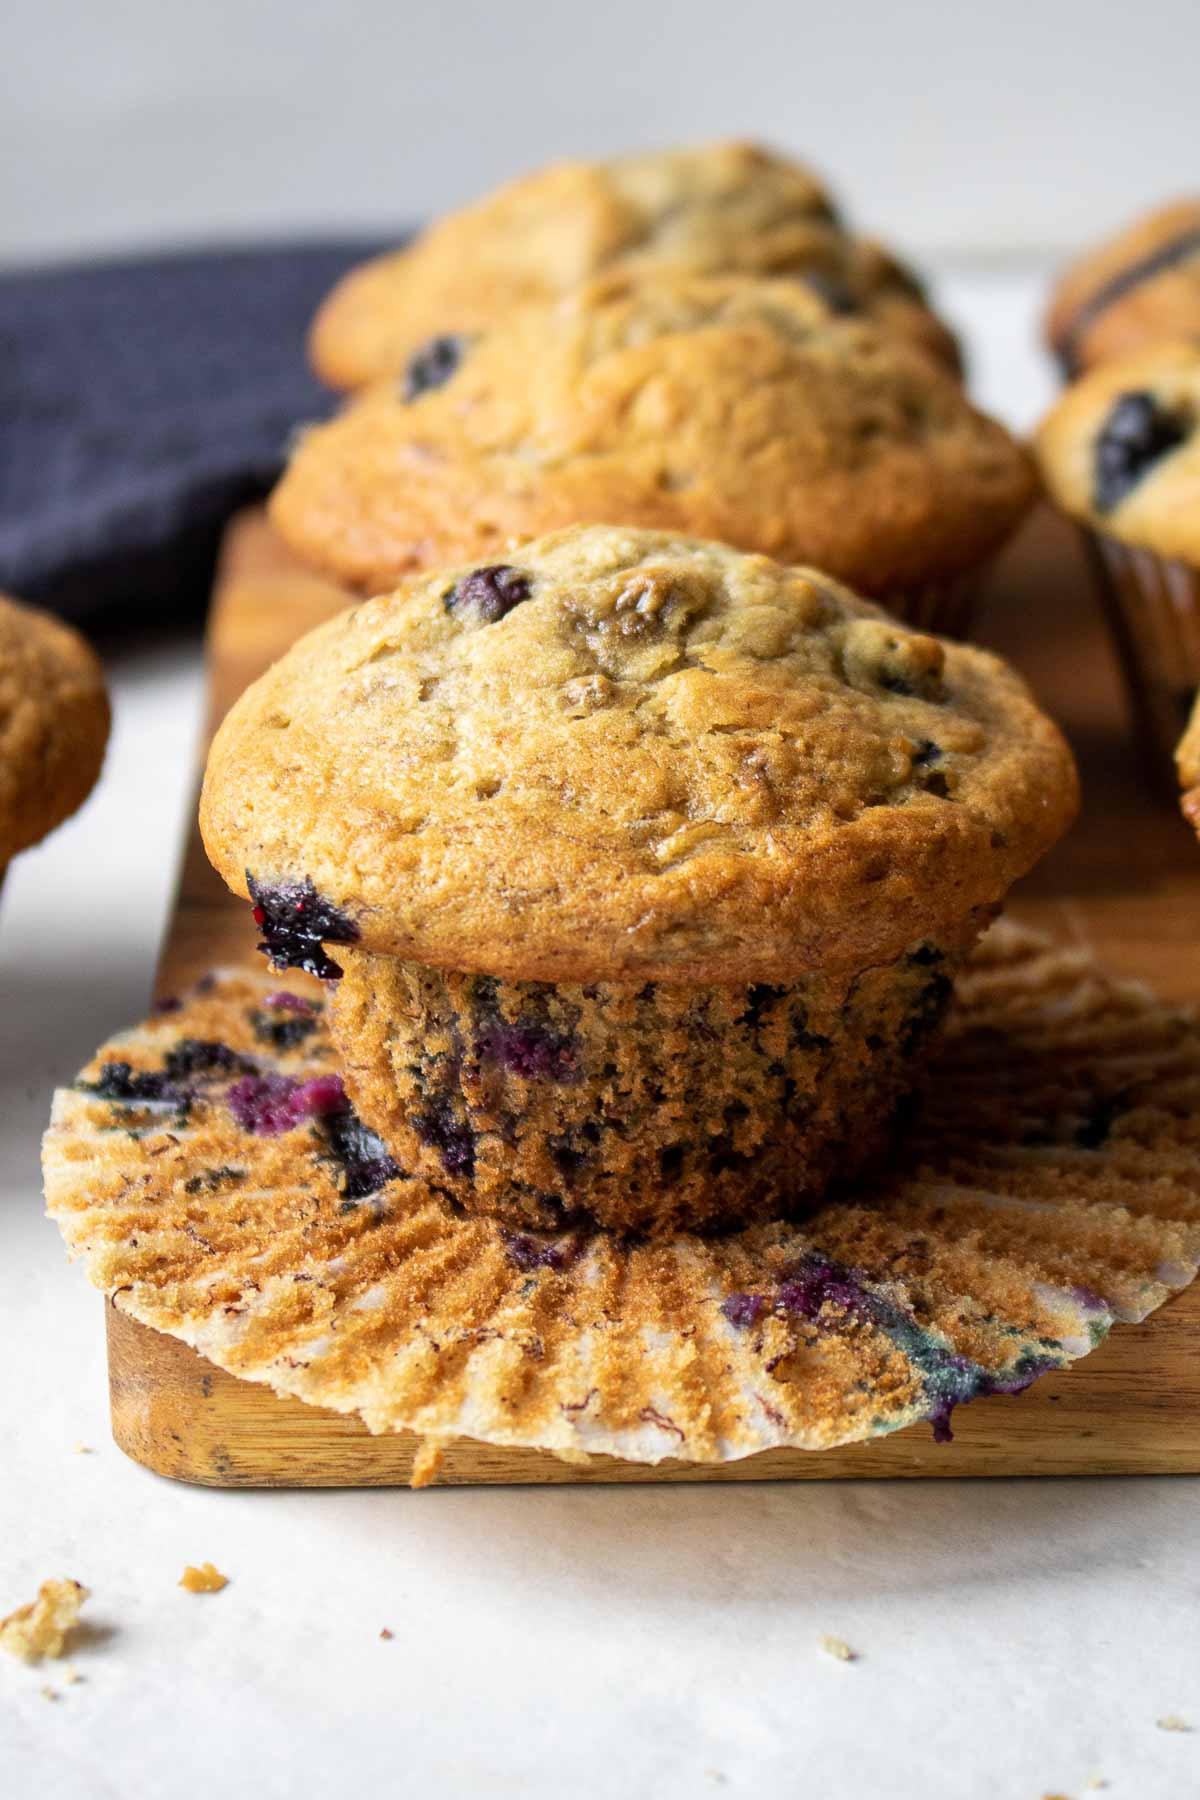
x=1015 y=1638
x=972 y=126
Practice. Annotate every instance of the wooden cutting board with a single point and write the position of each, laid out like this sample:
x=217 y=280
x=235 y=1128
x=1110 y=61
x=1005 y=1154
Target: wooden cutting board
x=1126 y=883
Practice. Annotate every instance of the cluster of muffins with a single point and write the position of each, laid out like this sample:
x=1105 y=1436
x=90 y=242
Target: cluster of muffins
x=638 y=843
x=54 y=721
x=1120 y=454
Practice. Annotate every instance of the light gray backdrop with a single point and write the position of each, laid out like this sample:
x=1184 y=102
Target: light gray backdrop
x=971 y=128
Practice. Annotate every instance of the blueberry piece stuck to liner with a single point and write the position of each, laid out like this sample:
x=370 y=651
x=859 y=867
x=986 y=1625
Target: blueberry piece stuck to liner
x=432 y=366
x=490 y=594
x=364 y=1162
x=1137 y=432
x=121 y=1081
x=296 y=922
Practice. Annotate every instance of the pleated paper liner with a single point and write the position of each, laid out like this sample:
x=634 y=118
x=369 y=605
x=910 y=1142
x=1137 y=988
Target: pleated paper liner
x=206 y=1169
x=944 y=607
x=1153 y=608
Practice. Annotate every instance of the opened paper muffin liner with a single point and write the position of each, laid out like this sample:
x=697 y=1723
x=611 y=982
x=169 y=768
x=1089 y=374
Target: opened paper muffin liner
x=1153 y=608
x=206 y=1168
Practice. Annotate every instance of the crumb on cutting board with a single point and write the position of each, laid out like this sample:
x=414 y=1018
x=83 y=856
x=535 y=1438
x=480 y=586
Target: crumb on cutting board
x=206 y=1579
x=838 y=1648
x=40 y=1628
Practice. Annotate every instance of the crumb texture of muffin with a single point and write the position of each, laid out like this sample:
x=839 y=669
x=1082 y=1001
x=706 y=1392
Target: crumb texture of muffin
x=1141 y=286
x=719 y=208
x=647 y=1107
x=749 y=411
x=647 y=866
x=54 y=721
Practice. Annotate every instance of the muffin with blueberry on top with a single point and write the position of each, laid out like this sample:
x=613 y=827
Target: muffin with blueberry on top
x=719 y=208
x=745 y=410
x=640 y=868
x=54 y=721
x=1138 y=288
x=1120 y=454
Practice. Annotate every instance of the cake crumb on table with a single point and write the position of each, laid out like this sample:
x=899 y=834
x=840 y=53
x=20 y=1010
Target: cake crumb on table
x=838 y=1648
x=387 y=1635
x=40 y=1628
x=207 y=1579
x=81 y=1449
x=1172 y=1722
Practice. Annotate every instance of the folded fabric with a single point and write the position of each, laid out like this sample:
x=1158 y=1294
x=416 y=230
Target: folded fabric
x=141 y=402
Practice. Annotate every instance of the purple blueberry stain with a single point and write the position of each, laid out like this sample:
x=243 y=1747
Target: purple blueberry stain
x=528 y=1252
x=269 y=1105
x=488 y=595
x=296 y=922
x=743 y=1311
x=439 y=1128
x=528 y=1049
x=949 y=1379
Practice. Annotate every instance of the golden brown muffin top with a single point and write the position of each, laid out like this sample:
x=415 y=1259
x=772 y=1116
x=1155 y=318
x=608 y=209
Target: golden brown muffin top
x=718 y=407
x=53 y=724
x=630 y=755
x=713 y=208
x=1139 y=287
x=1121 y=449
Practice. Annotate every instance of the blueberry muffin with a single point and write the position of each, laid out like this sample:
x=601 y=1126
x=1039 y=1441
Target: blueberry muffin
x=1120 y=453
x=1137 y=288
x=718 y=407
x=53 y=725
x=715 y=209
x=641 y=868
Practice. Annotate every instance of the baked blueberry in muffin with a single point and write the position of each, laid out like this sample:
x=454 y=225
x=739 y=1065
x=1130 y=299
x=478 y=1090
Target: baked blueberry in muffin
x=651 y=886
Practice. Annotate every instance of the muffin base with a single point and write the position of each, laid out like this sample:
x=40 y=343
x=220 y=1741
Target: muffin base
x=648 y=1108
x=1153 y=609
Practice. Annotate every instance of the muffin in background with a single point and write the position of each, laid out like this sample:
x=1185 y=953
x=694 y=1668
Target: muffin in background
x=1137 y=288
x=1120 y=453
x=717 y=208
x=54 y=720
x=720 y=407
x=642 y=868
x=1187 y=763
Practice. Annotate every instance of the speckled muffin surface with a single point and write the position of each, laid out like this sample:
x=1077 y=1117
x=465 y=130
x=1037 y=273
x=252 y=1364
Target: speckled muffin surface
x=745 y=411
x=1121 y=449
x=54 y=721
x=625 y=755
x=1139 y=287
x=716 y=208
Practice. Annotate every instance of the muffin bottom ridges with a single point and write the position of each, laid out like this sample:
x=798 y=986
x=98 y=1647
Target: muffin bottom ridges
x=646 y=1107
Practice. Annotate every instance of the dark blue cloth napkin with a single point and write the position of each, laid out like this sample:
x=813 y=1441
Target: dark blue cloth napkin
x=141 y=402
